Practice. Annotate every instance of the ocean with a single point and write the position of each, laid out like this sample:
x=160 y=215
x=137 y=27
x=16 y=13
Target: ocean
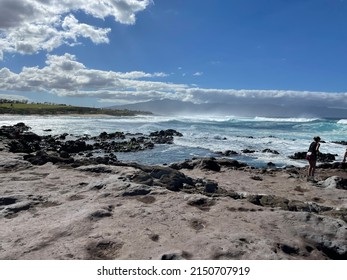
x=205 y=136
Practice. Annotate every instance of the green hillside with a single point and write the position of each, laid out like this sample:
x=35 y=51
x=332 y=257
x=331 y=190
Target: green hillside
x=18 y=108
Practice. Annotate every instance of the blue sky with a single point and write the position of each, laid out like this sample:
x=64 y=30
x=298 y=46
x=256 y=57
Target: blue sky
x=111 y=52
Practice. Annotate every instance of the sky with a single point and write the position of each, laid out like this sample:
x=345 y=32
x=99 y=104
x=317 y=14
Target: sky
x=112 y=52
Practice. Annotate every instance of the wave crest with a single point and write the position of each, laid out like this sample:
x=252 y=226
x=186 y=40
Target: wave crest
x=343 y=121
x=298 y=120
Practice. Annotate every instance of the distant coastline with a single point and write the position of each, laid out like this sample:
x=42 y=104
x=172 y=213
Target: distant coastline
x=23 y=108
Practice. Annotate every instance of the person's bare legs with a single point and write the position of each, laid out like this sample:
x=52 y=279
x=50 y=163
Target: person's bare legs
x=311 y=169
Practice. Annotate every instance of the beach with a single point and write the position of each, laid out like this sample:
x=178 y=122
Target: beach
x=199 y=209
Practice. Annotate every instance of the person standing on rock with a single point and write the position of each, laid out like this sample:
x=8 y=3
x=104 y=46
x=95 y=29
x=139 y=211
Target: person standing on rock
x=345 y=157
x=312 y=157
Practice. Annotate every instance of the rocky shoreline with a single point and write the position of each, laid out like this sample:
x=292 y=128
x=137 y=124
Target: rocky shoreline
x=60 y=200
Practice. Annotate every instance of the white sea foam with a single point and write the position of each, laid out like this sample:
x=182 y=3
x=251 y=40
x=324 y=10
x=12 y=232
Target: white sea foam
x=343 y=121
x=299 y=120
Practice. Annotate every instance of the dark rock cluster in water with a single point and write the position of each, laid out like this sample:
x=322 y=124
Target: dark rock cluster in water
x=321 y=156
x=325 y=160
x=69 y=149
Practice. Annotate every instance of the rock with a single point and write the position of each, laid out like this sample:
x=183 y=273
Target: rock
x=228 y=153
x=142 y=177
x=76 y=146
x=298 y=155
x=8 y=164
x=326 y=235
x=18 y=207
x=164 y=136
x=202 y=202
x=28 y=142
x=21 y=146
x=334 y=182
x=209 y=164
x=287 y=249
x=326 y=157
x=321 y=156
x=13 y=132
x=63 y=136
x=99 y=214
x=168 y=132
x=230 y=163
x=340 y=142
x=256 y=178
x=64 y=154
x=137 y=190
x=269 y=201
x=30 y=137
x=188 y=164
x=117 y=135
x=22 y=126
x=211 y=187
x=95 y=169
x=247 y=151
x=42 y=158
x=97 y=187
x=167 y=177
x=286 y=204
x=178 y=255
x=7 y=200
x=104 y=249
x=270 y=151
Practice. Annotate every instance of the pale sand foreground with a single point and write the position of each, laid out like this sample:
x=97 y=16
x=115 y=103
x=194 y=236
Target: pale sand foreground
x=51 y=212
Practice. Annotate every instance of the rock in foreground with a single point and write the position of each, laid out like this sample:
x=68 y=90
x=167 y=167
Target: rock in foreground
x=130 y=212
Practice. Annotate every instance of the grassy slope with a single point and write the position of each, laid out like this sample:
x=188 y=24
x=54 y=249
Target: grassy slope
x=57 y=109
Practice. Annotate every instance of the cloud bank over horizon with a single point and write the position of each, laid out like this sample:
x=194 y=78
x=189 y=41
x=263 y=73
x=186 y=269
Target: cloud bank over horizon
x=65 y=76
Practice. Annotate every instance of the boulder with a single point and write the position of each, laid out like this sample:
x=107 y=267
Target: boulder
x=334 y=182
x=166 y=177
x=209 y=164
x=41 y=158
x=228 y=153
x=20 y=146
x=75 y=146
x=321 y=156
x=230 y=163
x=270 y=151
x=248 y=151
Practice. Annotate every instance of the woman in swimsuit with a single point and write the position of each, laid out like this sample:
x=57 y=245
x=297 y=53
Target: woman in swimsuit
x=312 y=160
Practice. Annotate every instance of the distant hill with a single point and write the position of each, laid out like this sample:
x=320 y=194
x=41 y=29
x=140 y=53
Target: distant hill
x=266 y=109
x=19 y=108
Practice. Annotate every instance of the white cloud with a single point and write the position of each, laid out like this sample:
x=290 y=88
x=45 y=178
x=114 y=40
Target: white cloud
x=65 y=76
x=198 y=74
x=276 y=97
x=30 y=26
